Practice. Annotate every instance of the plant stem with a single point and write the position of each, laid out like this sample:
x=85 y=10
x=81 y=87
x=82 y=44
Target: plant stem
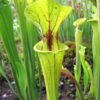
x=97 y=92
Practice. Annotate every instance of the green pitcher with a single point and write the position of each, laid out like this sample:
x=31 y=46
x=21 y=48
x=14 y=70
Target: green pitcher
x=96 y=57
x=51 y=63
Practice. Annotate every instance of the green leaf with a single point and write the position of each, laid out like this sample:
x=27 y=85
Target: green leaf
x=48 y=14
x=85 y=68
x=91 y=92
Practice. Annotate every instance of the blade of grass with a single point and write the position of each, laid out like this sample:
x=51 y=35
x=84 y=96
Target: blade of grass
x=6 y=28
x=27 y=48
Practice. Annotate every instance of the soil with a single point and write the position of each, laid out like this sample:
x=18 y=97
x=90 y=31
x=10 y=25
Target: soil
x=66 y=87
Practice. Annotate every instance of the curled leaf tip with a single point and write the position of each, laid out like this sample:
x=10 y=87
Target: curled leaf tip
x=79 y=21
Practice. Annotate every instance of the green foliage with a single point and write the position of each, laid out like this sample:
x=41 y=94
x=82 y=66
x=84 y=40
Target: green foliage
x=23 y=72
x=94 y=2
x=7 y=35
x=47 y=16
x=88 y=75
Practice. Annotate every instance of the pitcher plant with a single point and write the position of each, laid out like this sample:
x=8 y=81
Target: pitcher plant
x=96 y=57
x=48 y=15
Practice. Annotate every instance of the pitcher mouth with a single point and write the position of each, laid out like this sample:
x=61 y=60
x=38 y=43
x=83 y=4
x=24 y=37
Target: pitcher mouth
x=38 y=46
x=93 y=20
